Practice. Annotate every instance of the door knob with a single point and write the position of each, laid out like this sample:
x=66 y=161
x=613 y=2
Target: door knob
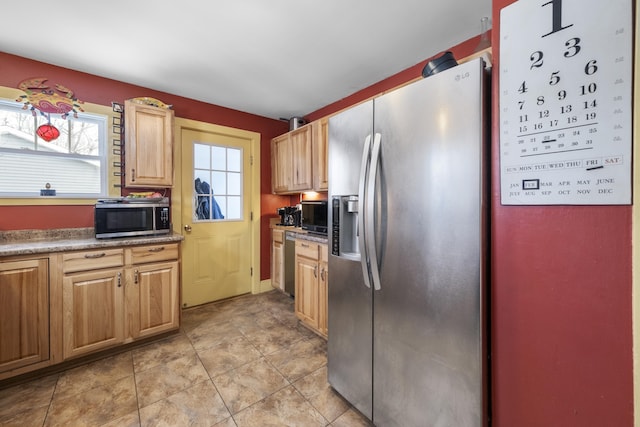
x=187 y=227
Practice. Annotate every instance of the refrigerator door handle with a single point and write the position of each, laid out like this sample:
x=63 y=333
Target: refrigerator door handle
x=370 y=209
x=364 y=171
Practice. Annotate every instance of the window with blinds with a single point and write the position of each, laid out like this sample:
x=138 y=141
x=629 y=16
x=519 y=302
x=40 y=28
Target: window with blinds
x=74 y=164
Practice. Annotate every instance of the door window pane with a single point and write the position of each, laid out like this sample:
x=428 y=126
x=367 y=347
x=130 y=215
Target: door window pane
x=234 y=184
x=235 y=160
x=234 y=206
x=201 y=157
x=218 y=158
x=217 y=182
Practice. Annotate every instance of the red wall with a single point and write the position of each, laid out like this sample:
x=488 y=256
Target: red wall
x=561 y=307
x=98 y=90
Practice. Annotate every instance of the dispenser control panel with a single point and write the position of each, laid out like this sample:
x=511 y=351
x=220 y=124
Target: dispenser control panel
x=335 y=235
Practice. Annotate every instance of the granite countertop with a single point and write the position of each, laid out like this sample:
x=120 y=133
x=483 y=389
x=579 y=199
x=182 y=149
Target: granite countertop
x=25 y=242
x=299 y=233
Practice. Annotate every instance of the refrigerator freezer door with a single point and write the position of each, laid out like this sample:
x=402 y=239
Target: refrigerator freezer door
x=428 y=339
x=349 y=354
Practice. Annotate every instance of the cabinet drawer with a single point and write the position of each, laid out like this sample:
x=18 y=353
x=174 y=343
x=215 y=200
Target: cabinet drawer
x=278 y=236
x=307 y=249
x=324 y=253
x=92 y=260
x=153 y=253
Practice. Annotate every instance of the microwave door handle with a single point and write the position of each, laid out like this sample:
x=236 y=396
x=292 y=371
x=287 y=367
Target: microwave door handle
x=370 y=206
x=362 y=242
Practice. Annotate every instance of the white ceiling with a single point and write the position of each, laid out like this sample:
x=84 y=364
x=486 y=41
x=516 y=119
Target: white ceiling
x=274 y=58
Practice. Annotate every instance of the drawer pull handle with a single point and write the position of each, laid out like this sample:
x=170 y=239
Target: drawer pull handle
x=92 y=256
x=160 y=249
x=119 y=280
x=135 y=277
x=304 y=245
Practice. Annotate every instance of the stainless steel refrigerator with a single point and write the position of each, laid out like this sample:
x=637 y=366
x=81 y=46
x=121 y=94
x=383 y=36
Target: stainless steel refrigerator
x=408 y=192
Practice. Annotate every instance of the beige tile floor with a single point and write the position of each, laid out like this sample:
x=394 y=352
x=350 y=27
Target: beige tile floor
x=241 y=362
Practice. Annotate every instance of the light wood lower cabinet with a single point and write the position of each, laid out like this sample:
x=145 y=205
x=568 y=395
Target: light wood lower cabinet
x=323 y=291
x=311 y=284
x=63 y=305
x=277 y=259
x=24 y=313
x=93 y=303
x=105 y=307
x=153 y=304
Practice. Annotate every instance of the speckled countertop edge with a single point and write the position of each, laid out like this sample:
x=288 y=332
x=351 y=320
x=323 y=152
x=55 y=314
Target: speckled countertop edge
x=26 y=242
x=301 y=234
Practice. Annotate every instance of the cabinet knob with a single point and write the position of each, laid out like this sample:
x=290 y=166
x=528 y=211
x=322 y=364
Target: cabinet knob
x=187 y=228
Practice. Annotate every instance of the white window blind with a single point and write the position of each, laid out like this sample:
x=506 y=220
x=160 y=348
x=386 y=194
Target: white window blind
x=74 y=164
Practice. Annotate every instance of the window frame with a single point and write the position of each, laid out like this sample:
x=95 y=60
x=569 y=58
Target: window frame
x=110 y=176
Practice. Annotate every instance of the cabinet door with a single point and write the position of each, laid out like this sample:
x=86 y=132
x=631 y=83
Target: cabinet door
x=148 y=146
x=302 y=158
x=24 y=313
x=306 y=300
x=93 y=311
x=323 y=291
x=277 y=259
x=280 y=164
x=152 y=299
x=320 y=154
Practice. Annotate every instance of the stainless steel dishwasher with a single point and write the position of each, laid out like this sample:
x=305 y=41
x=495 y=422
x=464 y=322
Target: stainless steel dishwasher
x=289 y=263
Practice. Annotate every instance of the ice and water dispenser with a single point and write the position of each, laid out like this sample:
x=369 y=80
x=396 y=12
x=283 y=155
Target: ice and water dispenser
x=344 y=237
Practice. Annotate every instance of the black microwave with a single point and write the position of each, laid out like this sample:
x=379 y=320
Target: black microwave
x=314 y=216
x=131 y=219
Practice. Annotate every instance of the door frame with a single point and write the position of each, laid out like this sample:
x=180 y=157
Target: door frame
x=180 y=125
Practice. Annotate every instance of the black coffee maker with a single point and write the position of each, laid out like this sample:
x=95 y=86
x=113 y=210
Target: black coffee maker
x=289 y=215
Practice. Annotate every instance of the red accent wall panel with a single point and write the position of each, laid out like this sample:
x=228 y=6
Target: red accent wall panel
x=561 y=306
x=45 y=217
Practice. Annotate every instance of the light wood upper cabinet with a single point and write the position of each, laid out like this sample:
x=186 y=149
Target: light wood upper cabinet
x=280 y=164
x=291 y=161
x=24 y=313
x=299 y=159
x=321 y=154
x=148 y=145
x=302 y=159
